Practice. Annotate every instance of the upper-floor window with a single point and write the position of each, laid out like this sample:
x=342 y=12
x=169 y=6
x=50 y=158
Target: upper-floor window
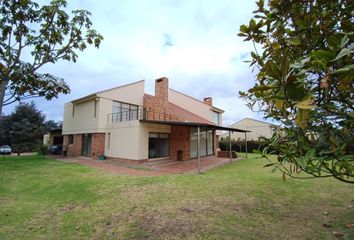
x=216 y=117
x=124 y=112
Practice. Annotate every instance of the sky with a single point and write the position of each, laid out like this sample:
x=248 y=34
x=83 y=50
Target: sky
x=194 y=43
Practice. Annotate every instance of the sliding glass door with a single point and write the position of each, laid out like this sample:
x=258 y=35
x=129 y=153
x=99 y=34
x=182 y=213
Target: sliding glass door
x=206 y=142
x=159 y=145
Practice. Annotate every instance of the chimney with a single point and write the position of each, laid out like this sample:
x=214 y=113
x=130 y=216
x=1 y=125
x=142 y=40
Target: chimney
x=208 y=100
x=161 y=94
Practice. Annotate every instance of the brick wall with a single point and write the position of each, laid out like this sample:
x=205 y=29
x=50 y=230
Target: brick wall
x=75 y=149
x=179 y=141
x=161 y=94
x=97 y=144
x=154 y=112
x=226 y=154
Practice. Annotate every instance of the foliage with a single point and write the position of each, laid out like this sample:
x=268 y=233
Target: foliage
x=5 y=130
x=42 y=149
x=304 y=80
x=26 y=128
x=52 y=125
x=32 y=36
x=238 y=145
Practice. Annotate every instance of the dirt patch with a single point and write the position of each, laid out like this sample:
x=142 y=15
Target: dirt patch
x=68 y=208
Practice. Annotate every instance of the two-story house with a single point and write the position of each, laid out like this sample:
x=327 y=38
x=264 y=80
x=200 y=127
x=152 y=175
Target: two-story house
x=126 y=123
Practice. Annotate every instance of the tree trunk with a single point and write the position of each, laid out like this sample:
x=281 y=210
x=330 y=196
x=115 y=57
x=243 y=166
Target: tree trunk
x=2 y=94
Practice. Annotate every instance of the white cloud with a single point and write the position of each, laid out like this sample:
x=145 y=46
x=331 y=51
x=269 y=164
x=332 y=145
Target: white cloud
x=193 y=43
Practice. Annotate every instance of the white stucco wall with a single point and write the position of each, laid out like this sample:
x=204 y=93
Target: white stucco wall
x=130 y=140
x=131 y=93
x=84 y=120
x=191 y=104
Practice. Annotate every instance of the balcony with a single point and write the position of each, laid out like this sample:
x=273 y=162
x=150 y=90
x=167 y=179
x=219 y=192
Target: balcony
x=141 y=114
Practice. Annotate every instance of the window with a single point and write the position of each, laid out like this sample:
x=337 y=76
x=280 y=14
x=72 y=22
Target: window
x=206 y=142
x=71 y=139
x=216 y=117
x=159 y=145
x=124 y=112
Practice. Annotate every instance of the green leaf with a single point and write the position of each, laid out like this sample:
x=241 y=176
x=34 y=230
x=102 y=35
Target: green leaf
x=272 y=70
x=302 y=162
x=302 y=118
x=252 y=25
x=344 y=41
x=268 y=165
x=342 y=53
x=293 y=41
x=324 y=54
x=243 y=28
x=306 y=104
x=294 y=90
x=344 y=69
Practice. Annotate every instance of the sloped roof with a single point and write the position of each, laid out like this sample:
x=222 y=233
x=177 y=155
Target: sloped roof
x=182 y=113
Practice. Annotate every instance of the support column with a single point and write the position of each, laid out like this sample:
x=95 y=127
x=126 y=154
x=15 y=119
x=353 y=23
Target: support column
x=246 y=143
x=230 y=146
x=198 y=150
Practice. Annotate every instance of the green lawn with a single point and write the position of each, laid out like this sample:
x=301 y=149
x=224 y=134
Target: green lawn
x=46 y=199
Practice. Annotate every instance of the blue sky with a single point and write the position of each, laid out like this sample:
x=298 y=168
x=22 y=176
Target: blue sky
x=193 y=43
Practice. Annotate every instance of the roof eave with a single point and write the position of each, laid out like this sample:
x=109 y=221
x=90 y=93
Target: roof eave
x=195 y=124
x=86 y=98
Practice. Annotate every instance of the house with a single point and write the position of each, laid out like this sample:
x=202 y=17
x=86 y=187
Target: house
x=126 y=123
x=257 y=129
x=53 y=137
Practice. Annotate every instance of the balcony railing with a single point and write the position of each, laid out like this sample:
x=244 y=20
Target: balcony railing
x=141 y=114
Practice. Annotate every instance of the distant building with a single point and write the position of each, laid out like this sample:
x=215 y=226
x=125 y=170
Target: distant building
x=257 y=129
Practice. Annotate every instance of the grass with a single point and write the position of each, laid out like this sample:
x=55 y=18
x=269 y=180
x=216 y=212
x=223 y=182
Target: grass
x=46 y=199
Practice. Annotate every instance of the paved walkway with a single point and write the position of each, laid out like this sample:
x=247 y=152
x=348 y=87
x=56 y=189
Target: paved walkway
x=190 y=166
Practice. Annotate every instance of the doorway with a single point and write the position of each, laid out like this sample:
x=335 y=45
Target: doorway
x=86 y=145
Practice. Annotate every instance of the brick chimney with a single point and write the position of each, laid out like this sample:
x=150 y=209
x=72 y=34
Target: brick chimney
x=208 y=100
x=161 y=94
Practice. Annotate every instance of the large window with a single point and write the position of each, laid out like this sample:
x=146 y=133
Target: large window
x=216 y=117
x=206 y=142
x=124 y=112
x=159 y=145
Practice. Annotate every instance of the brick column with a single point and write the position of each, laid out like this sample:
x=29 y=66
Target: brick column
x=75 y=149
x=179 y=141
x=97 y=145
